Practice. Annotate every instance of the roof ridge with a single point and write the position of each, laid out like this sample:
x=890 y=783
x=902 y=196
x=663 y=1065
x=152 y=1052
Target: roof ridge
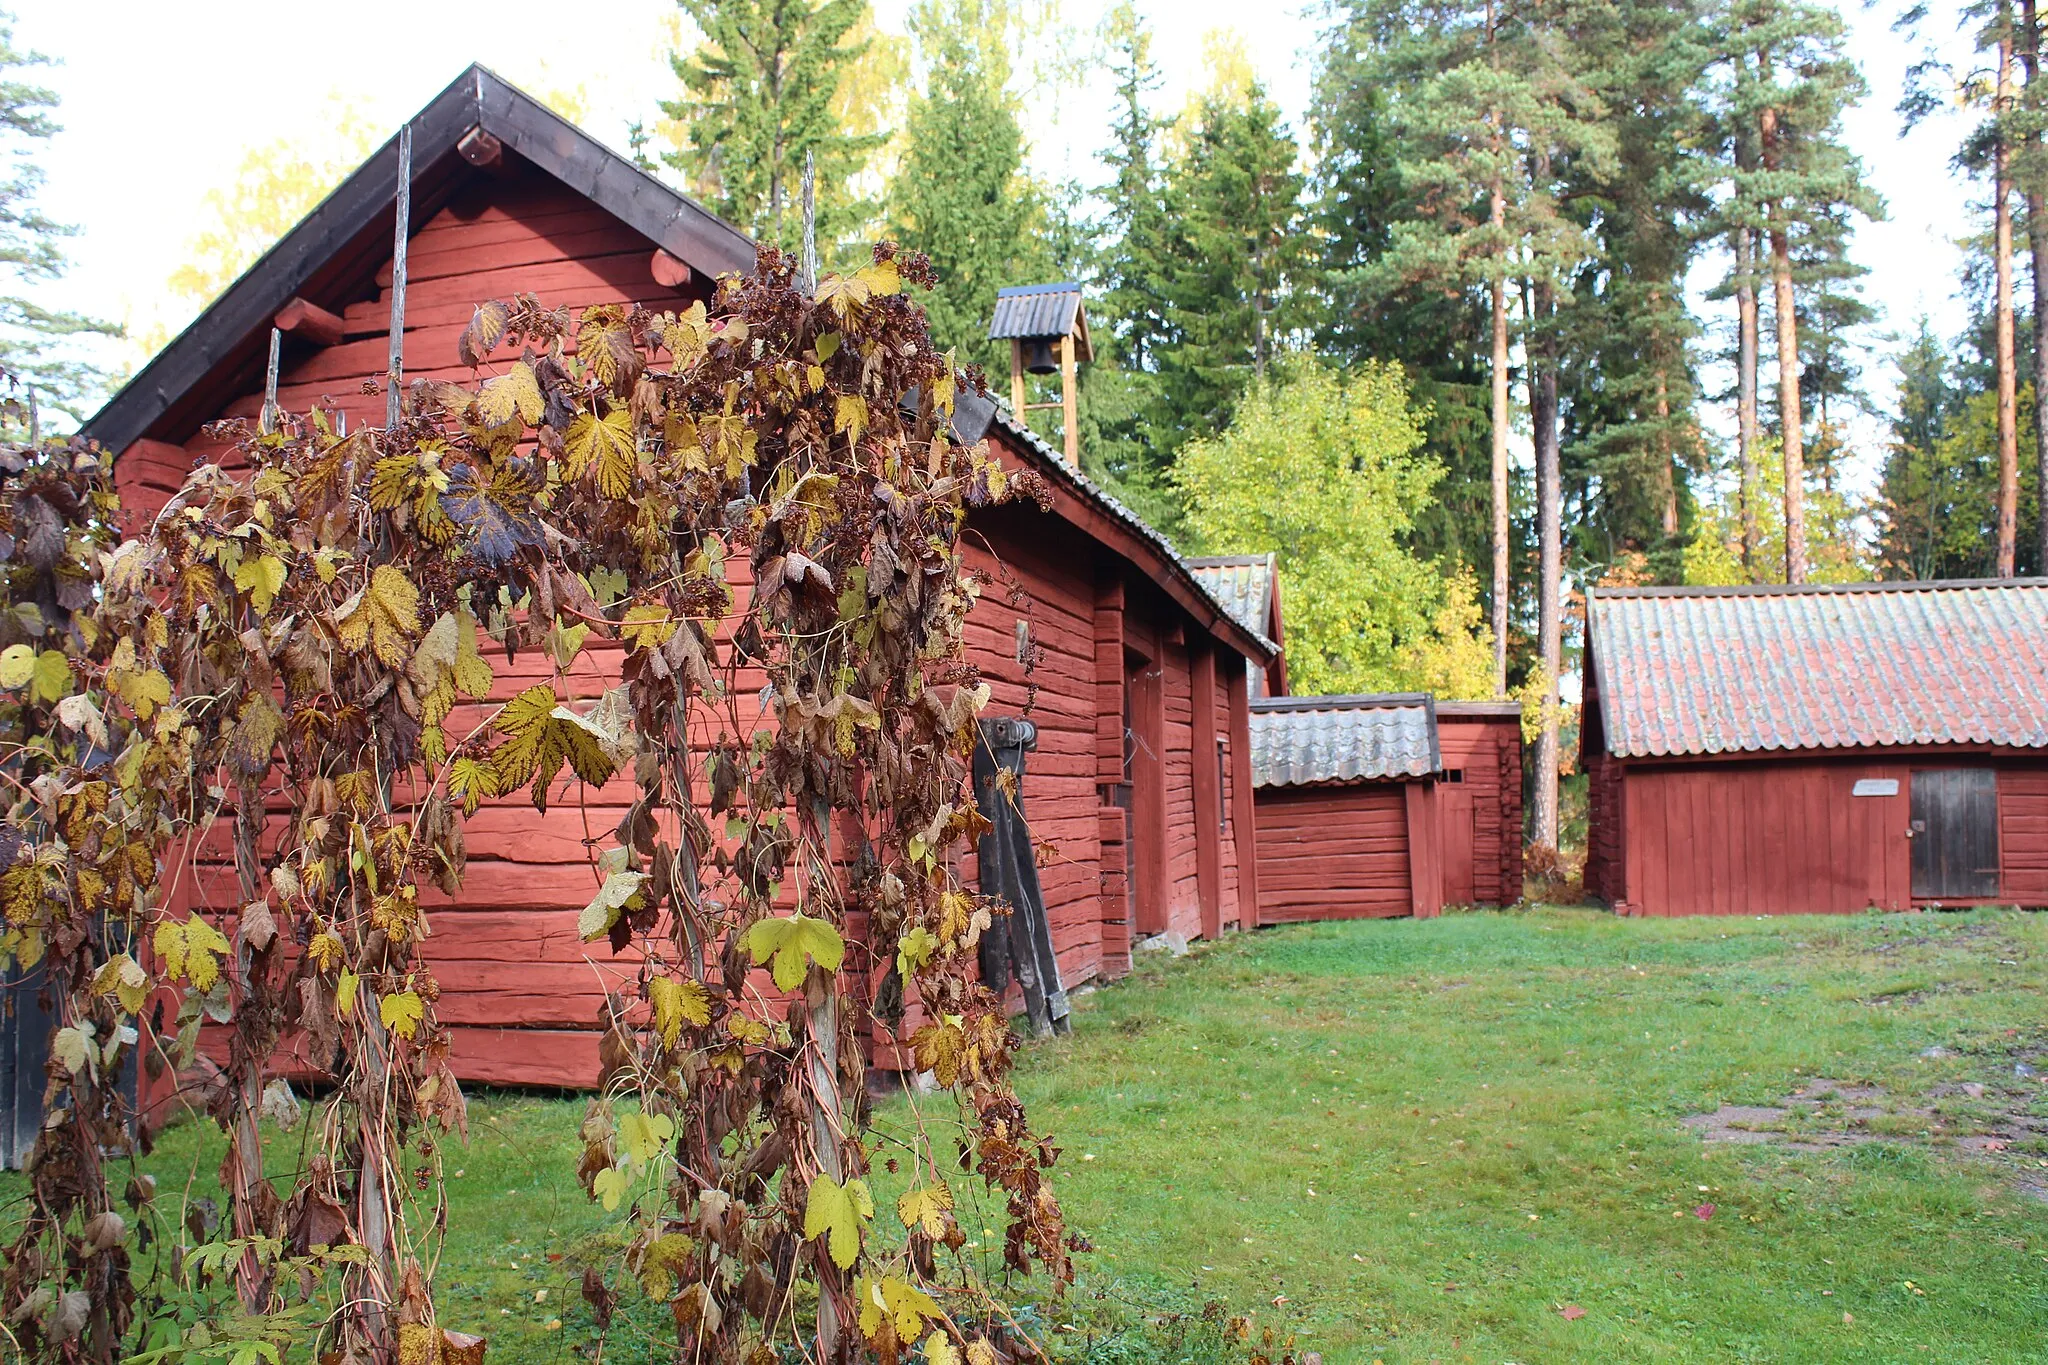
x=1901 y=585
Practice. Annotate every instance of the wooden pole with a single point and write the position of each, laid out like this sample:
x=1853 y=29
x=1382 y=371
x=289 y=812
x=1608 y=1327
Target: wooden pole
x=1017 y=378
x=810 y=223
x=269 y=420
x=1070 y=407
x=401 y=231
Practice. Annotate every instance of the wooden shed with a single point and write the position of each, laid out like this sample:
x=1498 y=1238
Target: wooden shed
x=1779 y=750
x=1374 y=806
x=1132 y=675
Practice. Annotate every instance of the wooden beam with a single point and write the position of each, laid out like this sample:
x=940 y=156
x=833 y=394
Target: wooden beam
x=1208 y=777
x=308 y=322
x=670 y=271
x=1070 y=413
x=1017 y=378
x=1244 y=826
x=482 y=150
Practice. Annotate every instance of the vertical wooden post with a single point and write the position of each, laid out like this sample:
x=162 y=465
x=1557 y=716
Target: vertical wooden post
x=1017 y=378
x=401 y=232
x=1244 y=828
x=268 y=423
x=1425 y=864
x=810 y=223
x=1070 y=408
x=1208 y=791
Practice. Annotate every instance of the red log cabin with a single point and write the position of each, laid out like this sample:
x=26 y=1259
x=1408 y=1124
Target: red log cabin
x=1778 y=750
x=1394 y=804
x=1132 y=674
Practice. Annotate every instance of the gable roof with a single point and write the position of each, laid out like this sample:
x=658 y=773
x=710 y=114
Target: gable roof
x=349 y=233
x=1742 y=670
x=1327 y=741
x=1243 y=584
x=344 y=241
x=974 y=416
x=1042 y=310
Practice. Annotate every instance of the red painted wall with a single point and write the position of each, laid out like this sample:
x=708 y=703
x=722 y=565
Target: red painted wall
x=522 y=994
x=1786 y=836
x=1481 y=817
x=1333 y=853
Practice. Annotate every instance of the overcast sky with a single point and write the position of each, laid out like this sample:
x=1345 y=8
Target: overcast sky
x=160 y=101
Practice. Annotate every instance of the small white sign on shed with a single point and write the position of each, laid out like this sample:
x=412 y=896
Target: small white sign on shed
x=1875 y=786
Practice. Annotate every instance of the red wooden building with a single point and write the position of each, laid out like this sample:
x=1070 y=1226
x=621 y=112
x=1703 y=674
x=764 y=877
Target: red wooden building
x=1133 y=675
x=1780 y=750
x=1375 y=806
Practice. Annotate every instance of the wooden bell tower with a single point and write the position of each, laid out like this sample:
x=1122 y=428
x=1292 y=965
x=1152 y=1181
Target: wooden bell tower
x=1047 y=329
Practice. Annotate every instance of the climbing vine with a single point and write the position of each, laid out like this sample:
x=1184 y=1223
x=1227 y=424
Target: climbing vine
x=278 y=706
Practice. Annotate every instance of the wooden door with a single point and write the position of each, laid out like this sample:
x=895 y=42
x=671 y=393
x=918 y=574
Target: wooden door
x=1457 y=842
x=1955 y=833
x=1145 y=770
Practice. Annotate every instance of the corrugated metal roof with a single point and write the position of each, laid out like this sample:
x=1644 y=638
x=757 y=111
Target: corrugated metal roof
x=1708 y=671
x=1299 y=741
x=1243 y=584
x=1035 y=310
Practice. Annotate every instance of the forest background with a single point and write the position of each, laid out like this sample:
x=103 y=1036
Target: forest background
x=1297 y=243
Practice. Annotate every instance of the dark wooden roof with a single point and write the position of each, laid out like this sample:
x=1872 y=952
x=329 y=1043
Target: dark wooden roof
x=339 y=246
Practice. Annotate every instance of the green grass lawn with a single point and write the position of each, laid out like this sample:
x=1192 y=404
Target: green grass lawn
x=1419 y=1141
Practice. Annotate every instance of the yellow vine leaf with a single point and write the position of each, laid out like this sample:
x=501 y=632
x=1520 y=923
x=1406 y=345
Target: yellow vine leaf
x=345 y=993
x=540 y=736
x=881 y=278
x=262 y=577
x=122 y=977
x=470 y=780
x=515 y=393
x=51 y=680
x=837 y=1213
x=646 y=1136
x=647 y=626
x=914 y=950
x=191 y=949
x=939 y=1350
x=611 y=1186
x=606 y=445
x=401 y=1012
x=843 y=294
x=677 y=1002
x=18 y=665
x=382 y=617
x=850 y=415
x=619 y=890
x=926 y=1207
x=325 y=950
x=786 y=942
x=979 y=1352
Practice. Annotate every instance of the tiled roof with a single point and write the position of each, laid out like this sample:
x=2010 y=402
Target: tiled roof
x=1739 y=670
x=1243 y=584
x=1035 y=310
x=1298 y=741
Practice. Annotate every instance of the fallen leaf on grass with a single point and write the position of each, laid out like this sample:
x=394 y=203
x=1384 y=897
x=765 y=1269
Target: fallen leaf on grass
x=1571 y=1312
x=1848 y=1319
x=1703 y=1212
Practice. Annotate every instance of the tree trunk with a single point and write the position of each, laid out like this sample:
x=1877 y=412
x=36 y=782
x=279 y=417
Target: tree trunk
x=1667 y=463
x=1745 y=389
x=1791 y=418
x=2008 y=425
x=2037 y=243
x=1549 y=627
x=1500 y=480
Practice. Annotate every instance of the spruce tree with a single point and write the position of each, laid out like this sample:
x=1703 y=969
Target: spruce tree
x=758 y=94
x=37 y=341
x=961 y=195
x=1233 y=211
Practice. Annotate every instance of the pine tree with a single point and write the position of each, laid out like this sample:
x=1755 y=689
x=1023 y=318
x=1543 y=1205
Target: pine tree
x=961 y=195
x=758 y=93
x=36 y=341
x=1792 y=82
